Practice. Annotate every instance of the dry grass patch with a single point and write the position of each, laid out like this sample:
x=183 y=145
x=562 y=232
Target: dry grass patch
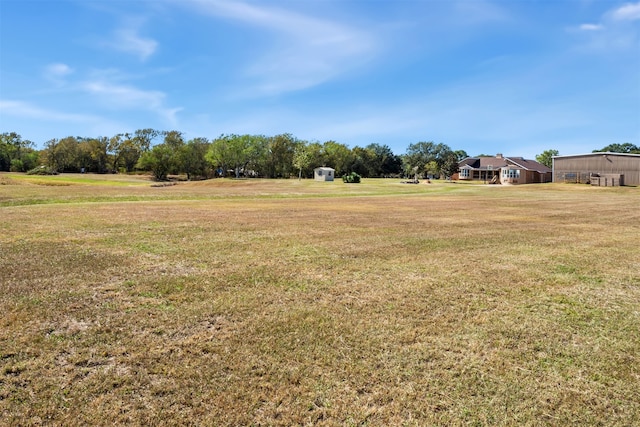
x=446 y=305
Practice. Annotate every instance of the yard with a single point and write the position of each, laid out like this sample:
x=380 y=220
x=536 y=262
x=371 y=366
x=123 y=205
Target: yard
x=287 y=302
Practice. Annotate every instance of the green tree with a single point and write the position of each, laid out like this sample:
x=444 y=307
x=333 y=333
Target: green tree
x=460 y=155
x=421 y=154
x=160 y=160
x=338 y=156
x=192 y=158
x=363 y=162
x=125 y=150
x=546 y=157
x=386 y=163
x=237 y=152
x=49 y=154
x=98 y=153
x=16 y=154
x=301 y=158
x=317 y=157
x=175 y=141
x=143 y=138
x=627 y=147
x=450 y=163
x=130 y=153
x=278 y=160
x=63 y=155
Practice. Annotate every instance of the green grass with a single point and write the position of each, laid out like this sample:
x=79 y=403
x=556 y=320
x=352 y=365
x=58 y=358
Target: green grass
x=258 y=302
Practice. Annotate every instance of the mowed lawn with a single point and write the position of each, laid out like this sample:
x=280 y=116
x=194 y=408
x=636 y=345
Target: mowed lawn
x=264 y=302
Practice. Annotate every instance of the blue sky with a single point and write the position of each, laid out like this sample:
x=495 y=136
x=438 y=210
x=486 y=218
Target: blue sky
x=515 y=77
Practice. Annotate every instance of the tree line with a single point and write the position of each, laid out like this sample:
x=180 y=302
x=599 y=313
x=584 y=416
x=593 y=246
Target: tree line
x=165 y=153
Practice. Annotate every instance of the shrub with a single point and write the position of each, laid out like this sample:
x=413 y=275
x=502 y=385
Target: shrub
x=17 y=165
x=352 y=178
x=42 y=170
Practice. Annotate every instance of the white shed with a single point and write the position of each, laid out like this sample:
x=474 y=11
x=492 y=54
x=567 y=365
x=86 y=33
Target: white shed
x=324 y=174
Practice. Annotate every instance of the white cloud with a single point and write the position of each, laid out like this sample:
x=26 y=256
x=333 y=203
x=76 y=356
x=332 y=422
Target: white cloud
x=124 y=96
x=628 y=12
x=128 y=40
x=306 y=51
x=121 y=96
x=615 y=31
x=57 y=72
x=24 y=109
x=591 y=27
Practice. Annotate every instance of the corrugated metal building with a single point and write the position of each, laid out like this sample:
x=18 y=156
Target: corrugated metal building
x=581 y=167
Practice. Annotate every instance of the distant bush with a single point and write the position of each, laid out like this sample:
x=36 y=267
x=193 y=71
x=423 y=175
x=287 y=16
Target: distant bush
x=352 y=178
x=42 y=170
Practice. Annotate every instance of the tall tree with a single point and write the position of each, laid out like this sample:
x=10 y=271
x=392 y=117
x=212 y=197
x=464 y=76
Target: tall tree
x=627 y=147
x=461 y=154
x=384 y=161
x=143 y=138
x=192 y=158
x=338 y=156
x=301 y=158
x=237 y=152
x=450 y=163
x=160 y=160
x=546 y=157
x=175 y=141
x=16 y=154
x=67 y=155
x=420 y=155
x=278 y=160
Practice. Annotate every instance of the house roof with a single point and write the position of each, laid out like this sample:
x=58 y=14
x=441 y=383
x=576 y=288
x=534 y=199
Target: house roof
x=531 y=165
x=493 y=163
x=482 y=163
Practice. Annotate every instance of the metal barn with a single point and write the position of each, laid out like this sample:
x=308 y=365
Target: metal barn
x=610 y=169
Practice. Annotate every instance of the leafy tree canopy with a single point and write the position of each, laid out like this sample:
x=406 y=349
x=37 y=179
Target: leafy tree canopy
x=627 y=147
x=546 y=157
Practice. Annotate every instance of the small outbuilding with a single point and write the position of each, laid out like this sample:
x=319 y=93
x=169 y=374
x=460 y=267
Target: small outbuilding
x=324 y=174
x=604 y=169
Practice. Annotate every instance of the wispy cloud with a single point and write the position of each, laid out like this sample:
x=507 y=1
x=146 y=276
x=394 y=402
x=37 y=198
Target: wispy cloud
x=57 y=73
x=628 y=12
x=616 y=29
x=27 y=110
x=121 y=96
x=591 y=27
x=127 y=39
x=305 y=51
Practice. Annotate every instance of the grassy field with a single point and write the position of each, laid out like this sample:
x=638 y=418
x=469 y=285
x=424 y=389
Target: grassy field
x=287 y=302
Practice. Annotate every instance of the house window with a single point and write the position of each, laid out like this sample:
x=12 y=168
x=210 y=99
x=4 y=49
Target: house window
x=464 y=173
x=319 y=173
x=511 y=173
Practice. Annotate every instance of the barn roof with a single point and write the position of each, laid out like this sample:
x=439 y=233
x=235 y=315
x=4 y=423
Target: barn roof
x=598 y=153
